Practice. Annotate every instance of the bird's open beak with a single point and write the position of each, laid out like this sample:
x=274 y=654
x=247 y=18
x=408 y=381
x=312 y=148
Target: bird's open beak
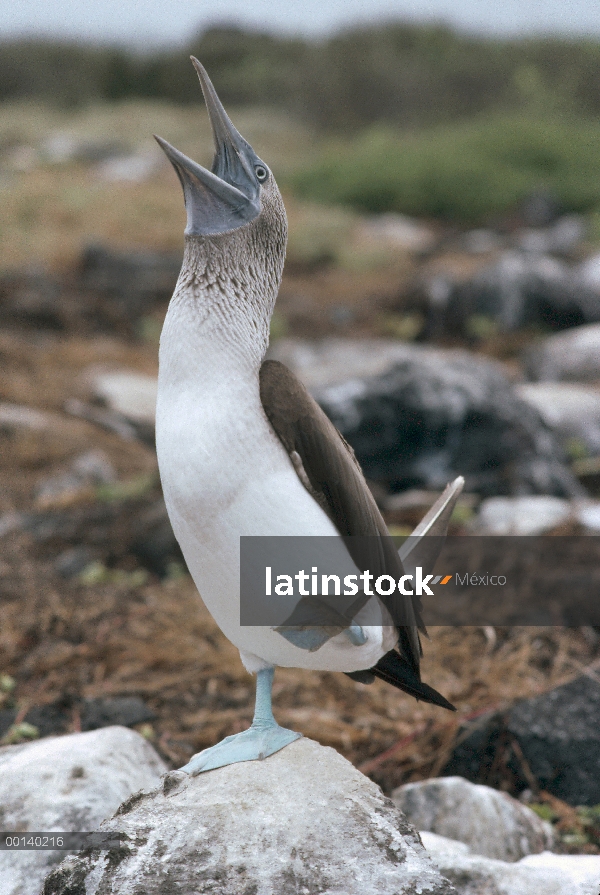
x=228 y=196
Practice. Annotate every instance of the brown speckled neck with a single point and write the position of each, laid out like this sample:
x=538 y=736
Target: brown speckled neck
x=229 y=282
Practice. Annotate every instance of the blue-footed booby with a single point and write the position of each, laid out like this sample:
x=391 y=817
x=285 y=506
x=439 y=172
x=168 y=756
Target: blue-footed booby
x=243 y=449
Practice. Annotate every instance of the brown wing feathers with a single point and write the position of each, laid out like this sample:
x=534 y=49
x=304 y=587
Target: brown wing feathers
x=327 y=467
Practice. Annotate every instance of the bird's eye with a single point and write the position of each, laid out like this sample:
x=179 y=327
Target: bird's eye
x=261 y=173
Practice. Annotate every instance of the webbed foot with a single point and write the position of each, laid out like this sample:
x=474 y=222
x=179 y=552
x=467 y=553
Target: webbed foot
x=254 y=744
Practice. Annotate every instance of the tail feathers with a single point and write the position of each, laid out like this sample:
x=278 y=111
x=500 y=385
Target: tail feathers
x=395 y=670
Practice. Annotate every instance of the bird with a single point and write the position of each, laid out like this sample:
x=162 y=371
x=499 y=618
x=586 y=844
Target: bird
x=244 y=449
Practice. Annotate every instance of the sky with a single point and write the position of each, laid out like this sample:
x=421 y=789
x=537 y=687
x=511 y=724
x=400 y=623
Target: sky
x=171 y=22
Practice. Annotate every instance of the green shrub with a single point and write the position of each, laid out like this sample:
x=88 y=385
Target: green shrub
x=463 y=172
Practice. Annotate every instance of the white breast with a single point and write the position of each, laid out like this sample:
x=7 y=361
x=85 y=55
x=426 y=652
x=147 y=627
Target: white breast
x=225 y=474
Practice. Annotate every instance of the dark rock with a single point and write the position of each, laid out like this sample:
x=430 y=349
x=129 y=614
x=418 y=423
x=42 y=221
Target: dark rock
x=7 y=719
x=485 y=754
x=521 y=289
x=155 y=544
x=31 y=299
x=73 y=561
x=106 y=532
x=436 y=415
x=124 y=711
x=539 y=208
x=557 y=739
x=136 y=280
x=90 y=525
x=49 y=720
x=109 y=291
x=55 y=718
x=560 y=738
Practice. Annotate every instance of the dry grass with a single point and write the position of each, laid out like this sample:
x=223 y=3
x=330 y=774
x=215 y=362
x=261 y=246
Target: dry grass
x=50 y=216
x=50 y=211
x=334 y=279
x=159 y=642
x=62 y=637
x=132 y=123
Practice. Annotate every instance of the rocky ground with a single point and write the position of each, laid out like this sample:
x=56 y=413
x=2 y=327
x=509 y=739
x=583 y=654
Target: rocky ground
x=99 y=622
x=324 y=826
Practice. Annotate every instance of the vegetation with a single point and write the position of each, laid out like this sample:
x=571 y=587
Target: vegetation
x=464 y=172
x=411 y=118
x=407 y=74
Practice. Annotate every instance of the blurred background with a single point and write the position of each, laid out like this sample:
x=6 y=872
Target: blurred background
x=441 y=174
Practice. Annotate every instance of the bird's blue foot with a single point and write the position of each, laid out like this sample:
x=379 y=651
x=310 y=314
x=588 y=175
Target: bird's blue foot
x=253 y=744
x=262 y=739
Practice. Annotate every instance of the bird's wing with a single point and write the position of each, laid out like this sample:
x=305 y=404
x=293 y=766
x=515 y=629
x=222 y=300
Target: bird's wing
x=328 y=469
x=425 y=543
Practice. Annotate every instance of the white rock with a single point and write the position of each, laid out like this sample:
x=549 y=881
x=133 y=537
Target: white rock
x=588 y=515
x=94 y=466
x=87 y=470
x=567 y=233
x=21 y=158
x=128 y=168
x=584 y=869
x=60 y=147
x=131 y=394
x=11 y=522
x=479 y=242
x=439 y=846
x=588 y=272
x=302 y=821
x=17 y=416
x=572 y=410
x=489 y=822
x=528 y=515
x=66 y=784
x=562 y=237
x=543 y=874
x=398 y=231
x=572 y=355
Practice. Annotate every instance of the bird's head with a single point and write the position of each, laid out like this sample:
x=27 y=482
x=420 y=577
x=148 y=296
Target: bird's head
x=238 y=196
